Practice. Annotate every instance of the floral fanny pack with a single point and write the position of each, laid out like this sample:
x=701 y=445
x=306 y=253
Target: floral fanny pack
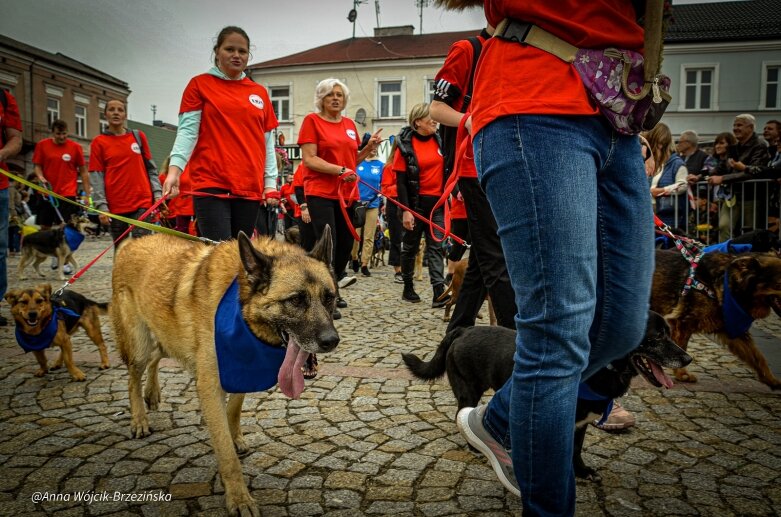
x=615 y=79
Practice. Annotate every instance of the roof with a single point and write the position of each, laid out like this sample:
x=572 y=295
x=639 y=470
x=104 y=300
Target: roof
x=692 y=23
x=725 y=21
x=161 y=140
x=62 y=60
x=383 y=48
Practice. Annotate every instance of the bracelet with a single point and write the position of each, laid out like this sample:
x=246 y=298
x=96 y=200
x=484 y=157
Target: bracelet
x=342 y=170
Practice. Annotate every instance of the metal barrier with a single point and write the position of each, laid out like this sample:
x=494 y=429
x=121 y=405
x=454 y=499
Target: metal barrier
x=717 y=213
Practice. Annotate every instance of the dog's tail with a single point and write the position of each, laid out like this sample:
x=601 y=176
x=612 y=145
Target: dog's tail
x=102 y=307
x=435 y=368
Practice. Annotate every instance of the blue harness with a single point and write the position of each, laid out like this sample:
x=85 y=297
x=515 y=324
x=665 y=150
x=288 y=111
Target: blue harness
x=246 y=364
x=42 y=341
x=727 y=247
x=73 y=237
x=586 y=393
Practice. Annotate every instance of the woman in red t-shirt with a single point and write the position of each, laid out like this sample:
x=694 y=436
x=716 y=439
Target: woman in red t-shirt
x=224 y=138
x=329 y=149
x=392 y=217
x=420 y=191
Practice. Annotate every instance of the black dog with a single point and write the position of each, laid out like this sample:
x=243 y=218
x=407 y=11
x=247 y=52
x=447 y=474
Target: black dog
x=38 y=246
x=478 y=358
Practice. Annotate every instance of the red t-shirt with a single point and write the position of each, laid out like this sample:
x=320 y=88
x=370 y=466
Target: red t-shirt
x=457 y=208
x=388 y=183
x=230 y=152
x=286 y=192
x=513 y=79
x=430 y=162
x=452 y=80
x=9 y=118
x=337 y=144
x=120 y=160
x=60 y=164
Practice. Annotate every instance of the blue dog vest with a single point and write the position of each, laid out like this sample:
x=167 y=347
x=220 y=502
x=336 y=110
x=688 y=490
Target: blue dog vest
x=246 y=364
x=736 y=321
x=42 y=341
x=586 y=393
x=73 y=238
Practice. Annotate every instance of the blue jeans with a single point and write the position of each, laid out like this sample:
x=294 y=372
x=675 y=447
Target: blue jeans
x=3 y=242
x=571 y=202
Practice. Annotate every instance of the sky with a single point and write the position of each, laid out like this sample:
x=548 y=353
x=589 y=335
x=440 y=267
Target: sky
x=157 y=46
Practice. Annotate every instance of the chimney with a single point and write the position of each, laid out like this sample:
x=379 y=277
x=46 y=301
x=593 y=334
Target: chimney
x=401 y=30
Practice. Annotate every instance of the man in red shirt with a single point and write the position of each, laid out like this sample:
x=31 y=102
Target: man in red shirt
x=59 y=161
x=10 y=145
x=120 y=179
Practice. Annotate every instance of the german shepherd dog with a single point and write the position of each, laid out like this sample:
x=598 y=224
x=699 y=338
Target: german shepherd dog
x=166 y=292
x=478 y=358
x=33 y=310
x=37 y=246
x=755 y=284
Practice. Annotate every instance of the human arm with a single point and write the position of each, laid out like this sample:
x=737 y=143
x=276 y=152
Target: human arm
x=317 y=164
x=445 y=114
x=85 y=183
x=302 y=204
x=271 y=171
x=372 y=145
x=39 y=174
x=184 y=144
x=13 y=144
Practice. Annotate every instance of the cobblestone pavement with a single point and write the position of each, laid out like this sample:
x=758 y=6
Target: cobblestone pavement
x=365 y=439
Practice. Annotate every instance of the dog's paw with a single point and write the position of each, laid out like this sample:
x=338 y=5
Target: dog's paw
x=139 y=427
x=56 y=366
x=242 y=506
x=683 y=375
x=241 y=445
x=105 y=366
x=152 y=400
x=40 y=373
x=78 y=376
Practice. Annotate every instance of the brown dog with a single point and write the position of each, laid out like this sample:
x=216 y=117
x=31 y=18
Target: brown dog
x=754 y=281
x=168 y=298
x=454 y=288
x=41 y=324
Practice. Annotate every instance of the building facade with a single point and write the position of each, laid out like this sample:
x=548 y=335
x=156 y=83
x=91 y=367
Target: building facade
x=50 y=86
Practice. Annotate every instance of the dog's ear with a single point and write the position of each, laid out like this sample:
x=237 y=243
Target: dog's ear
x=256 y=264
x=45 y=290
x=12 y=296
x=324 y=248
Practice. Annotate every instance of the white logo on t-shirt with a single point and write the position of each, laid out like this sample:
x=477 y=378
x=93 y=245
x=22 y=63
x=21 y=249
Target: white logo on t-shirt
x=134 y=147
x=66 y=157
x=256 y=101
x=351 y=134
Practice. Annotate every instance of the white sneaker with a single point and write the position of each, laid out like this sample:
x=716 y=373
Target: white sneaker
x=67 y=269
x=55 y=263
x=347 y=281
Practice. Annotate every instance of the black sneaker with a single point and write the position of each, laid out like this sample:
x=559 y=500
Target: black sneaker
x=341 y=303
x=438 y=301
x=365 y=271
x=356 y=266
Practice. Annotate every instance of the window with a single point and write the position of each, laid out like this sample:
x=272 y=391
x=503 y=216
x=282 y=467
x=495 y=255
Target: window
x=81 y=121
x=280 y=101
x=390 y=99
x=102 y=117
x=699 y=88
x=430 y=89
x=771 y=86
x=52 y=110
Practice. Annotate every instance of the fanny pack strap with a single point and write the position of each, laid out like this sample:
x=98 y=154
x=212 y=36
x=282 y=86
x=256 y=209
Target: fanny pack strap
x=530 y=34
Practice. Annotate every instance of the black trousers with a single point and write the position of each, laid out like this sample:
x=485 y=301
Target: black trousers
x=459 y=228
x=486 y=272
x=118 y=227
x=327 y=211
x=223 y=219
x=395 y=230
x=410 y=243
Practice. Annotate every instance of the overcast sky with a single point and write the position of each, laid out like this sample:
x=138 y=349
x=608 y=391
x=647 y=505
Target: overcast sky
x=157 y=46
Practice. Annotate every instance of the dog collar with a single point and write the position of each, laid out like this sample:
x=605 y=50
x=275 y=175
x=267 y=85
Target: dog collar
x=245 y=363
x=45 y=338
x=73 y=238
x=736 y=320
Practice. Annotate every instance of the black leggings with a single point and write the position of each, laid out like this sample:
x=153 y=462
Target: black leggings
x=327 y=211
x=118 y=227
x=222 y=219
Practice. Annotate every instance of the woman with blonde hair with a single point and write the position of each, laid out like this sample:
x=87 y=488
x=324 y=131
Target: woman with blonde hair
x=420 y=166
x=668 y=184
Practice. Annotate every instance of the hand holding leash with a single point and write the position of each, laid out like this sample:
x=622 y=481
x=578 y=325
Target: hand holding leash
x=171 y=185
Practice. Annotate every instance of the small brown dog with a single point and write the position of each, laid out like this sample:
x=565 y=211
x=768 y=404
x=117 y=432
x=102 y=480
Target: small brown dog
x=419 y=260
x=42 y=323
x=455 y=287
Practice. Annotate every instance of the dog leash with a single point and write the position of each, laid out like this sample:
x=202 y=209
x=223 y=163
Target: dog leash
x=692 y=252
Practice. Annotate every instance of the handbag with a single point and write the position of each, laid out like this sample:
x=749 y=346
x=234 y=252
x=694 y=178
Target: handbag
x=359 y=214
x=628 y=89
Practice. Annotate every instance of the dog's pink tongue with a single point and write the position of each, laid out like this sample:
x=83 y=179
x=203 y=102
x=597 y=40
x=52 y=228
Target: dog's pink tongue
x=660 y=376
x=291 y=378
